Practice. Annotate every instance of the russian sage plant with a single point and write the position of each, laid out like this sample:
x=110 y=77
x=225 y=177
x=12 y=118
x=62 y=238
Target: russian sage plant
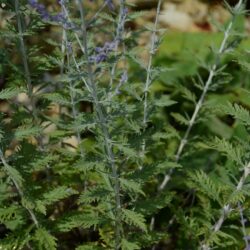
x=95 y=150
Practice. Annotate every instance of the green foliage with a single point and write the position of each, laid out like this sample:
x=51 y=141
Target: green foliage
x=9 y=93
x=102 y=147
x=44 y=239
x=238 y=112
x=126 y=245
x=133 y=218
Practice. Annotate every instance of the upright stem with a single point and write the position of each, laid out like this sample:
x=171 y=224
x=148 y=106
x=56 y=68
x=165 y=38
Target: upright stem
x=25 y=60
x=102 y=123
x=72 y=96
x=118 y=37
x=75 y=34
x=18 y=188
x=226 y=210
x=242 y=220
x=149 y=71
x=27 y=75
x=198 y=106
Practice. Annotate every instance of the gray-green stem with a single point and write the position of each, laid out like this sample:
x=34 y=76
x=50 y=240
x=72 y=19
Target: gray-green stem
x=18 y=188
x=25 y=60
x=107 y=140
x=118 y=36
x=149 y=72
x=199 y=104
x=226 y=210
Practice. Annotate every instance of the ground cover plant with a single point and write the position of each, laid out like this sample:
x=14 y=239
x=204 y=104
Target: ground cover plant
x=108 y=143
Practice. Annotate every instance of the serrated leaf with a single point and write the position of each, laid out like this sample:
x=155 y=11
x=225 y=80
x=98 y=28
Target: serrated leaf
x=107 y=17
x=41 y=163
x=9 y=93
x=126 y=245
x=136 y=14
x=186 y=93
x=128 y=151
x=53 y=196
x=149 y=206
x=74 y=221
x=180 y=118
x=57 y=98
x=234 y=153
x=27 y=131
x=89 y=246
x=131 y=185
x=164 y=101
x=133 y=218
x=95 y=194
x=15 y=176
x=206 y=185
x=45 y=239
x=238 y=112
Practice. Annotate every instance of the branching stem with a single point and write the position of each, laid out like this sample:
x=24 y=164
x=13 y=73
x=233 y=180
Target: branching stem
x=102 y=123
x=25 y=60
x=226 y=210
x=149 y=72
x=118 y=38
x=18 y=188
x=200 y=102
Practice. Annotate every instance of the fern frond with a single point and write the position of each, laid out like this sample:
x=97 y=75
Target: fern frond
x=126 y=245
x=80 y=220
x=238 y=112
x=9 y=93
x=203 y=183
x=45 y=240
x=233 y=153
x=53 y=196
x=134 y=218
x=26 y=131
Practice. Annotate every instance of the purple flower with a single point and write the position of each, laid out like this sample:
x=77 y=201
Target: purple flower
x=110 y=4
x=124 y=77
x=32 y=3
x=124 y=12
x=247 y=237
x=61 y=2
x=101 y=58
x=69 y=47
x=102 y=52
x=46 y=16
x=40 y=8
x=59 y=18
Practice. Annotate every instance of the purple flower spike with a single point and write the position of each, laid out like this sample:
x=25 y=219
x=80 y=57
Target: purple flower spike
x=32 y=3
x=98 y=58
x=247 y=237
x=59 y=18
x=124 y=77
x=101 y=58
x=61 y=2
x=46 y=16
x=102 y=52
x=109 y=46
x=98 y=49
x=110 y=4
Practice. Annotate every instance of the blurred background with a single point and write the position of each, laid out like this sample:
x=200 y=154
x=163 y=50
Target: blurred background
x=191 y=29
x=188 y=15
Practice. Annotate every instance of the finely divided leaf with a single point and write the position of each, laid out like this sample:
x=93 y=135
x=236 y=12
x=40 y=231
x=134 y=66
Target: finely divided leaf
x=45 y=239
x=9 y=93
x=133 y=218
x=126 y=245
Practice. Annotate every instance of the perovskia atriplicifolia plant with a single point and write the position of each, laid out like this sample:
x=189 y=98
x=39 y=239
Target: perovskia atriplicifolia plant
x=95 y=150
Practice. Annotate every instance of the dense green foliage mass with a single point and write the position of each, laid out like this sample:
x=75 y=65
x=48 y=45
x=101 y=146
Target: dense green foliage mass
x=105 y=144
